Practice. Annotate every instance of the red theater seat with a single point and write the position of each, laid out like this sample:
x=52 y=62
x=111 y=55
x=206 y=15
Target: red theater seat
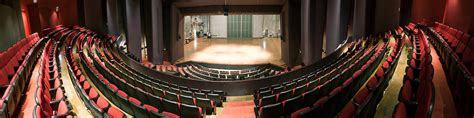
x=150 y=108
x=115 y=113
x=170 y=115
x=348 y=111
x=63 y=109
x=93 y=94
x=362 y=96
x=102 y=103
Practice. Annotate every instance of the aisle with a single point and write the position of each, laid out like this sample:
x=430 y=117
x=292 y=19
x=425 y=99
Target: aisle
x=390 y=96
x=237 y=107
x=444 y=104
x=29 y=100
x=78 y=106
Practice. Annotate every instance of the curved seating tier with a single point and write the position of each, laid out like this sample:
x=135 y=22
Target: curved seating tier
x=215 y=72
x=16 y=64
x=50 y=94
x=348 y=83
x=365 y=102
x=416 y=98
x=455 y=49
x=233 y=88
x=304 y=97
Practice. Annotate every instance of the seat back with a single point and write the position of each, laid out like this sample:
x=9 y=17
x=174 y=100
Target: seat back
x=186 y=99
x=285 y=95
x=190 y=111
x=270 y=111
x=171 y=106
x=267 y=100
x=293 y=104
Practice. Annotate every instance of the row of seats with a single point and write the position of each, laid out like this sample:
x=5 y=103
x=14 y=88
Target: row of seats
x=458 y=64
x=108 y=86
x=199 y=71
x=143 y=96
x=95 y=102
x=206 y=99
x=269 y=105
x=101 y=70
x=365 y=102
x=343 y=86
x=50 y=94
x=16 y=66
x=416 y=98
x=165 y=86
x=458 y=42
x=309 y=80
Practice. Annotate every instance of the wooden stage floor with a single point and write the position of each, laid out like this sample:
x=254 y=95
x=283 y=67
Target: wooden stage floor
x=234 y=51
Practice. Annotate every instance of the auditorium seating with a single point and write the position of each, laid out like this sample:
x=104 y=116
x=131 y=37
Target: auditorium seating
x=95 y=103
x=351 y=86
x=416 y=98
x=16 y=64
x=455 y=50
x=144 y=102
x=365 y=101
x=326 y=86
x=50 y=92
x=215 y=72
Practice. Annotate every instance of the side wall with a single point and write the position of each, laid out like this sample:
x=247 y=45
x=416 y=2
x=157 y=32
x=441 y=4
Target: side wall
x=427 y=10
x=387 y=14
x=458 y=14
x=11 y=27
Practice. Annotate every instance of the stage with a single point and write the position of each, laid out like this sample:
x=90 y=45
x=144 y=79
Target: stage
x=234 y=51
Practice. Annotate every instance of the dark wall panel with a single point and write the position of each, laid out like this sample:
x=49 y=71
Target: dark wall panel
x=359 y=19
x=387 y=15
x=427 y=10
x=94 y=18
x=459 y=13
x=11 y=23
x=68 y=12
x=34 y=18
x=291 y=38
x=313 y=19
x=134 y=29
x=177 y=31
x=113 y=17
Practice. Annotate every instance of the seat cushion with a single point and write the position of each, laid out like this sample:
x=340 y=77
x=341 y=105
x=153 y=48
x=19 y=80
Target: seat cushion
x=170 y=115
x=62 y=109
x=135 y=101
x=150 y=108
x=93 y=94
x=102 y=103
x=113 y=112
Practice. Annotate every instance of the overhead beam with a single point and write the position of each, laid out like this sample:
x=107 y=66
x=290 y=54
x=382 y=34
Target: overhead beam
x=233 y=9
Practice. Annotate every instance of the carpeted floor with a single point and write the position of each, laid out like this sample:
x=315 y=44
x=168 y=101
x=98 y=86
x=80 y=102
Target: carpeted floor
x=244 y=109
